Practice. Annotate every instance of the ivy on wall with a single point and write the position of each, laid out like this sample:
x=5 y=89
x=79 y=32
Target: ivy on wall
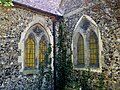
x=44 y=77
x=64 y=65
x=47 y=72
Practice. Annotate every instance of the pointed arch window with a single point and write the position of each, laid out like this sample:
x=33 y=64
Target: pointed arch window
x=36 y=43
x=80 y=50
x=87 y=50
x=30 y=52
x=87 y=44
x=42 y=49
x=33 y=46
x=94 y=49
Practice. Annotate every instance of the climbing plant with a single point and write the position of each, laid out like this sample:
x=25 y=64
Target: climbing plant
x=44 y=77
x=64 y=65
x=101 y=81
x=6 y=3
x=86 y=77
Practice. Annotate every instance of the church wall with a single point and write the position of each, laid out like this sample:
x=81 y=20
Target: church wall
x=12 y=24
x=110 y=40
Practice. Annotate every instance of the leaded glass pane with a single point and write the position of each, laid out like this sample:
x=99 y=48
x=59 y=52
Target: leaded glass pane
x=93 y=43
x=29 y=53
x=80 y=50
x=42 y=48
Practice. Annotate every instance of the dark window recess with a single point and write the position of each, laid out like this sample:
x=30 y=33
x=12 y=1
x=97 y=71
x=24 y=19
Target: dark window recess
x=37 y=30
x=85 y=25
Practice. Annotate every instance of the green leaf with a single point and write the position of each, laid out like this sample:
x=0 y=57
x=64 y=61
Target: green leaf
x=6 y=3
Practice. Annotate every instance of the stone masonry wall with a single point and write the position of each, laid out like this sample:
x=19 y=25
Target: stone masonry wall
x=110 y=39
x=72 y=5
x=12 y=24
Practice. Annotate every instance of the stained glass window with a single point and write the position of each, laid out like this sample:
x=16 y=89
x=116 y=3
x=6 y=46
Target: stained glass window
x=80 y=50
x=30 y=52
x=93 y=45
x=42 y=48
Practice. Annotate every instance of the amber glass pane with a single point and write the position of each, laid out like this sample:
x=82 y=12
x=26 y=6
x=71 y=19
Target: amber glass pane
x=80 y=50
x=42 y=49
x=93 y=42
x=30 y=53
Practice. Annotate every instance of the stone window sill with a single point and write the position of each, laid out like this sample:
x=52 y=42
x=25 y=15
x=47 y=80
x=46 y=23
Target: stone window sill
x=99 y=70
x=26 y=72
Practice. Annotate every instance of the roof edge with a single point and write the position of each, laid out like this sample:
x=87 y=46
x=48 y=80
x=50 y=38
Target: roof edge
x=37 y=10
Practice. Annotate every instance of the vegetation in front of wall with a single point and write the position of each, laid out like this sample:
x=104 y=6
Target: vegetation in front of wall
x=92 y=80
x=64 y=65
x=6 y=3
x=44 y=78
x=101 y=81
x=72 y=86
x=81 y=80
x=86 y=80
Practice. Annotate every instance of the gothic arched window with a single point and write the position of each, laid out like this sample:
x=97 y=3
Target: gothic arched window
x=94 y=49
x=80 y=50
x=30 y=52
x=42 y=49
x=87 y=45
x=36 y=44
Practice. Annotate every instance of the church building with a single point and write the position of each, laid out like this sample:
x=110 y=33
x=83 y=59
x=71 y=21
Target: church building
x=29 y=37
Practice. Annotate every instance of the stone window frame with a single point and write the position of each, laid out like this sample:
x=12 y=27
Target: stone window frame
x=37 y=39
x=79 y=29
x=41 y=22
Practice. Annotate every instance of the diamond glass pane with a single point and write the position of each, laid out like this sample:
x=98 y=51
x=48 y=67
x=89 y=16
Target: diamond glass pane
x=80 y=50
x=30 y=52
x=42 y=48
x=93 y=42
